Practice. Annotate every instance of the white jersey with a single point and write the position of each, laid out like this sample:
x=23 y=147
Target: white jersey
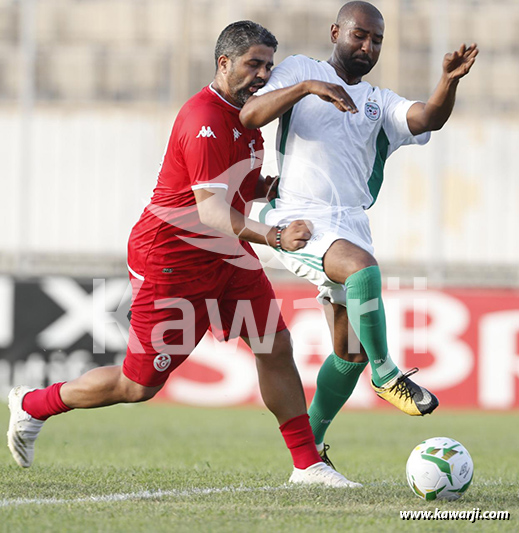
x=330 y=160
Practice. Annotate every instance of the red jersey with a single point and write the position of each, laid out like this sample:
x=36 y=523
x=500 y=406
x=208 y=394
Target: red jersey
x=208 y=148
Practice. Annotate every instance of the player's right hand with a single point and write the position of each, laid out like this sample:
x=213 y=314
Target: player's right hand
x=296 y=235
x=333 y=93
x=459 y=63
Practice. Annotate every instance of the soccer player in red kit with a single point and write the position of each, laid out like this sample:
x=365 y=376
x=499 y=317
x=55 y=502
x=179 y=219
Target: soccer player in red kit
x=189 y=271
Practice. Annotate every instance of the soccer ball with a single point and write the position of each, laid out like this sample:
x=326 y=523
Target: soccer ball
x=439 y=469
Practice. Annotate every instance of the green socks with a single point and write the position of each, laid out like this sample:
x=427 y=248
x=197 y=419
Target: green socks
x=335 y=383
x=367 y=317
x=337 y=378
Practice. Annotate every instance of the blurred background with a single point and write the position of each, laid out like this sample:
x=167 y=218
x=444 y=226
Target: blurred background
x=89 y=90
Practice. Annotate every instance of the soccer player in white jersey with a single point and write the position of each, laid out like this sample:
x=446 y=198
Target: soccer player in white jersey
x=334 y=136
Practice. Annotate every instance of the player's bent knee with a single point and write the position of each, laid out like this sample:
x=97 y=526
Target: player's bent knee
x=283 y=343
x=361 y=263
x=281 y=348
x=136 y=393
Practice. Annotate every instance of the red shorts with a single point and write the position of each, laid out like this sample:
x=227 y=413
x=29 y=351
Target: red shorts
x=169 y=320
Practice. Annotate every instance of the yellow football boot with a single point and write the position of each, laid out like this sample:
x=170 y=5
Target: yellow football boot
x=407 y=395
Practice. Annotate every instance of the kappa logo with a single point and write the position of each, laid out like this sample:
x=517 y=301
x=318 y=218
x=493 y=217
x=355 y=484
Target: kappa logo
x=162 y=362
x=372 y=111
x=206 y=131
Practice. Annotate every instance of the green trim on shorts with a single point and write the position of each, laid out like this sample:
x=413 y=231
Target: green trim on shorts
x=313 y=261
x=377 y=174
x=268 y=207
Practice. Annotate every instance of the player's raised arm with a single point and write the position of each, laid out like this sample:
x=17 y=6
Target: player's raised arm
x=260 y=110
x=215 y=212
x=436 y=111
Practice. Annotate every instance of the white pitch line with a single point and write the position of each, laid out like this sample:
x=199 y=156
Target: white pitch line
x=142 y=495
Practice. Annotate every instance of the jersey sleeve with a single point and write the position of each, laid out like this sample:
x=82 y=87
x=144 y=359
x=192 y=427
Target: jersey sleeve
x=395 y=121
x=205 y=144
x=289 y=72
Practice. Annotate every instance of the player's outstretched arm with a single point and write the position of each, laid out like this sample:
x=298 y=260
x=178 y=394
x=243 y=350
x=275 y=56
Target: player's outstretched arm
x=260 y=110
x=215 y=212
x=436 y=111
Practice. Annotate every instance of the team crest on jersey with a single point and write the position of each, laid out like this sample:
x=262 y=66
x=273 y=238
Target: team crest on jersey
x=372 y=111
x=206 y=131
x=162 y=362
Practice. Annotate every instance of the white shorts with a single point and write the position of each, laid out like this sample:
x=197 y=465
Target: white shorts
x=351 y=224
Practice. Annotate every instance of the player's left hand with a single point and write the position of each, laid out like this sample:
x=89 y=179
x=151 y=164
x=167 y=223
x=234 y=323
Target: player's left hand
x=459 y=63
x=271 y=187
x=267 y=188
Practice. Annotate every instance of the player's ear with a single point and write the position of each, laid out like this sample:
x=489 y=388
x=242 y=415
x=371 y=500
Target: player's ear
x=334 y=33
x=223 y=64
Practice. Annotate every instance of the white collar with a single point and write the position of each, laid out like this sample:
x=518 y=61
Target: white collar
x=221 y=97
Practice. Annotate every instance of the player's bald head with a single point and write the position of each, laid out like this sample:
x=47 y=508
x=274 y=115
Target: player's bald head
x=349 y=10
x=357 y=38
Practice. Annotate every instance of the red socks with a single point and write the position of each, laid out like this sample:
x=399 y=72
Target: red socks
x=300 y=441
x=43 y=403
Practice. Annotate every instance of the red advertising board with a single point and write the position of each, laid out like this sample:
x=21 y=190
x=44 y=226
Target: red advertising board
x=465 y=342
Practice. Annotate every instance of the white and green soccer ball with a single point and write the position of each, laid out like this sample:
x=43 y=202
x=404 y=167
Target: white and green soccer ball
x=439 y=469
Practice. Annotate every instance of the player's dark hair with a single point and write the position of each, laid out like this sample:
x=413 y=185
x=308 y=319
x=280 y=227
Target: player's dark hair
x=236 y=39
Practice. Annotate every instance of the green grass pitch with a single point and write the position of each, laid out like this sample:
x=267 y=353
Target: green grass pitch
x=162 y=468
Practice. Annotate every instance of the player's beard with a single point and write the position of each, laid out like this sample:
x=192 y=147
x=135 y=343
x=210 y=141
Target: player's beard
x=357 y=68
x=242 y=94
x=350 y=63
